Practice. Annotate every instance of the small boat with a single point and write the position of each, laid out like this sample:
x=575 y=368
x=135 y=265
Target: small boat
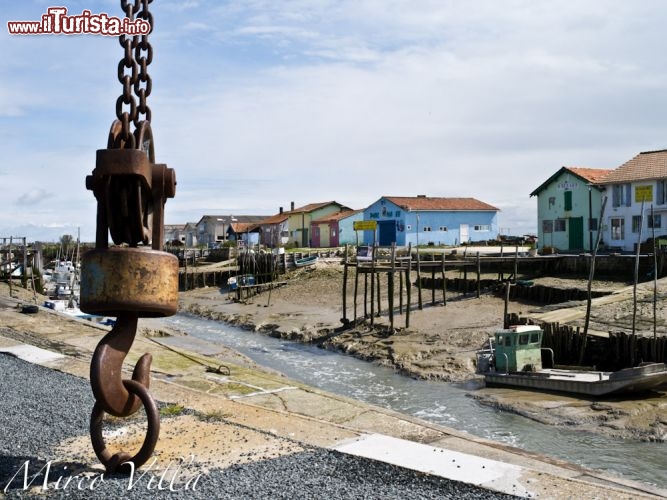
x=306 y=261
x=513 y=358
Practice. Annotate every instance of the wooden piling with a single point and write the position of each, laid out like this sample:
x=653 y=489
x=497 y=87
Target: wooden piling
x=419 y=282
x=408 y=288
x=373 y=283
x=356 y=290
x=479 y=277
x=444 y=281
x=400 y=292
x=390 y=287
x=379 y=295
x=345 y=286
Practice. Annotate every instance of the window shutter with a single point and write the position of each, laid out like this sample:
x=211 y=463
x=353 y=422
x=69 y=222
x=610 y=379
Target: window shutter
x=615 y=198
x=660 y=195
x=568 y=200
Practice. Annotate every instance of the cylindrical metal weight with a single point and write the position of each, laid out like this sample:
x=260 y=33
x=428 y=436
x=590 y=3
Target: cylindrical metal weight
x=122 y=280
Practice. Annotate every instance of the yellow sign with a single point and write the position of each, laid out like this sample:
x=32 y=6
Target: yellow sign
x=643 y=193
x=365 y=225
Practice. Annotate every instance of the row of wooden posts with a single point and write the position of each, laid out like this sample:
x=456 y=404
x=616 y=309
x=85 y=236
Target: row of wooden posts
x=614 y=352
x=371 y=270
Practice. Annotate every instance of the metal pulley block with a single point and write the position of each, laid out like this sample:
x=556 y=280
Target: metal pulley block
x=131 y=193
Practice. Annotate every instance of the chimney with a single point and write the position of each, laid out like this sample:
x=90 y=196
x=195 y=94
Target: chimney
x=280 y=210
x=292 y=206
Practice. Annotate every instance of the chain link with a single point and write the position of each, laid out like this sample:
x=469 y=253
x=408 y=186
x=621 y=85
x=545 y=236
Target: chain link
x=133 y=74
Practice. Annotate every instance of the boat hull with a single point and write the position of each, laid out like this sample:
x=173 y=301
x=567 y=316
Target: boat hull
x=632 y=380
x=306 y=261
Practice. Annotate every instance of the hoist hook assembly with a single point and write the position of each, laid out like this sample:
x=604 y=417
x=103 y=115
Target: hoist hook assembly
x=132 y=278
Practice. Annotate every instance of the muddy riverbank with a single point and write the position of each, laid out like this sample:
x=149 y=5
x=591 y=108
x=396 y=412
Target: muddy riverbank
x=440 y=343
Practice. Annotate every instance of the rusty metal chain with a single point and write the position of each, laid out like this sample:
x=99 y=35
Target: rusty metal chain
x=133 y=76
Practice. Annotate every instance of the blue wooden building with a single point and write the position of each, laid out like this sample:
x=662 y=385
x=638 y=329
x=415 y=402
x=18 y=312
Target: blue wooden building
x=423 y=220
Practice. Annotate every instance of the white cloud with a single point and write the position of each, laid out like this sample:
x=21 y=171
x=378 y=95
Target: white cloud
x=34 y=197
x=258 y=103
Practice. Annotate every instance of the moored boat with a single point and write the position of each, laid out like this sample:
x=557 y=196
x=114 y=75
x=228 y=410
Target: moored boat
x=306 y=261
x=513 y=358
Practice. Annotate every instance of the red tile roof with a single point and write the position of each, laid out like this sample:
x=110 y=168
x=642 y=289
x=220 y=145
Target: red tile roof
x=591 y=175
x=645 y=166
x=314 y=206
x=275 y=219
x=337 y=216
x=242 y=227
x=449 y=204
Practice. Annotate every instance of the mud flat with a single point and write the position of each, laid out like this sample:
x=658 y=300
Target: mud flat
x=441 y=341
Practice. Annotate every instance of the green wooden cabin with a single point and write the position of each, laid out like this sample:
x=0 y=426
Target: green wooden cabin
x=518 y=349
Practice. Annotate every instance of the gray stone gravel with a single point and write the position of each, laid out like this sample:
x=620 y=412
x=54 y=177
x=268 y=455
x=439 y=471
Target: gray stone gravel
x=42 y=407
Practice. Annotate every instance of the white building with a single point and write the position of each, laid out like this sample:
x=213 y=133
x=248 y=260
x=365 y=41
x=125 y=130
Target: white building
x=643 y=179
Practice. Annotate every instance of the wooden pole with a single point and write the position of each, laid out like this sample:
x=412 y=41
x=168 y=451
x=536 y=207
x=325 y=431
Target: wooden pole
x=365 y=294
x=465 y=270
x=591 y=273
x=507 y=301
x=10 y=258
x=400 y=292
x=655 y=288
x=356 y=290
x=500 y=272
x=516 y=263
x=444 y=281
x=345 y=286
x=378 y=294
x=636 y=277
x=419 y=282
x=433 y=282
x=479 y=277
x=408 y=287
x=390 y=286
x=24 y=277
x=373 y=280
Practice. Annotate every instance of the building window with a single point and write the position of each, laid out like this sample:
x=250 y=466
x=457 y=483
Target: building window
x=592 y=224
x=621 y=195
x=408 y=227
x=617 y=228
x=426 y=229
x=559 y=225
x=636 y=223
x=483 y=227
x=661 y=192
x=654 y=222
x=443 y=228
x=547 y=226
x=568 y=200
x=552 y=201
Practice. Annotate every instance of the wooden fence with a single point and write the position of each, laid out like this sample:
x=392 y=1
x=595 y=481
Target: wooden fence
x=617 y=351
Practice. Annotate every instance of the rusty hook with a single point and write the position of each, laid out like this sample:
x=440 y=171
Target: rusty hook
x=106 y=369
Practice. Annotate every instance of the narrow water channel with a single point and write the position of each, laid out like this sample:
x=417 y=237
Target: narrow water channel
x=437 y=402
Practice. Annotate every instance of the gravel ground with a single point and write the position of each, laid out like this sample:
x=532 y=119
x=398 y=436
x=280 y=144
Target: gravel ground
x=43 y=407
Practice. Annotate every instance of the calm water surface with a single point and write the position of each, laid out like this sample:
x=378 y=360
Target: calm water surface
x=437 y=402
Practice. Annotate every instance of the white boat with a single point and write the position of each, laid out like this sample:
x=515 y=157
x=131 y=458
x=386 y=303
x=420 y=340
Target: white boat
x=513 y=358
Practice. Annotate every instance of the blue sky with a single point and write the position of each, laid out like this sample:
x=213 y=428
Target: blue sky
x=258 y=103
